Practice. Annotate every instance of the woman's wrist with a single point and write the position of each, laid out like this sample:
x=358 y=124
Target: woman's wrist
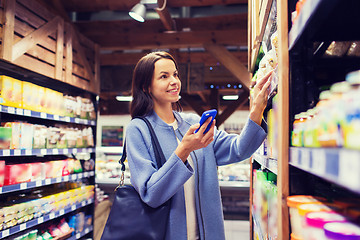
x=182 y=152
x=256 y=115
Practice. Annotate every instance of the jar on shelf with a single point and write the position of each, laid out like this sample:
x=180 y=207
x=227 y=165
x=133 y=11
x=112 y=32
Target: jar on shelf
x=342 y=231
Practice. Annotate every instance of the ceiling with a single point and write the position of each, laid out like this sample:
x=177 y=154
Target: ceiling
x=208 y=39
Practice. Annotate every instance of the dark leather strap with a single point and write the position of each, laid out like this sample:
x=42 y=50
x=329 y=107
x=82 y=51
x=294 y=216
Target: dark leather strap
x=159 y=155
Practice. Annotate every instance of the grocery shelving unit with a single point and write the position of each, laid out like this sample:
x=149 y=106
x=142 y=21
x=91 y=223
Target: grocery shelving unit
x=303 y=70
x=39 y=47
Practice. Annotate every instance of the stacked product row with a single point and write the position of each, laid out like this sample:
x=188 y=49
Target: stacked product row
x=26 y=95
x=318 y=218
x=22 y=135
x=26 y=172
x=335 y=121
x=21 y=209
x=265 y=204
x=66 y=227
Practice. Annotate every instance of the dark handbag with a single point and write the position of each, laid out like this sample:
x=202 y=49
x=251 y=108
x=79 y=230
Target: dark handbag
x=130 y=218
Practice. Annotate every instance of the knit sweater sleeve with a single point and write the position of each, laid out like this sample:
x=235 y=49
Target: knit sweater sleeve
x=231 y=148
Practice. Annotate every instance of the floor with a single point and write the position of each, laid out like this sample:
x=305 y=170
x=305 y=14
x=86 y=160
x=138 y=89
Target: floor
x=237 y=230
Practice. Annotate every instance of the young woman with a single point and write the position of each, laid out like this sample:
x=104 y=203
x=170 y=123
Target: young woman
x=189 y=176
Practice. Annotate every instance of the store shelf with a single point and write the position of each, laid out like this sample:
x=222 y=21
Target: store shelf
x=44 y=151
x=47 y=116
x=44 y=182
x=266 y=162
x=234 y=184
x=81 y=234
x=45 y=218
x=112 y=181
x=322 y=20
x=337 y=165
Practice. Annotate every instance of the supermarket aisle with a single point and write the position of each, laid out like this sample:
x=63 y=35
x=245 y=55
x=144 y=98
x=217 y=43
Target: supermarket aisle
x=237 y=230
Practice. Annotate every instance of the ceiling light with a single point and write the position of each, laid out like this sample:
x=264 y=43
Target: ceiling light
x=230 y=97
x=124 y=98
x=138 y=12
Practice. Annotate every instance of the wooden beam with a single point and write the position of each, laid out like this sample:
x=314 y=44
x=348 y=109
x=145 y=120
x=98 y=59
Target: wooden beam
x=116 y=5
x=232 y=108
x=8 y=29
x=221 y=22
x=194 y=104
x=117 y=58
x=170 y=40
x=59 y=50
x=165 y=16
x=231 y=63
x=69 y=53
x=32 y=39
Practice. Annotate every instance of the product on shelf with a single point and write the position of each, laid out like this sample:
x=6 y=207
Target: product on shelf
x=315 y=222
x=341 y=231
x=337 y=49
x=354 y=50
x=5 y=137
x=293 y=202
x=17 y=173
x=11 y=91
x=2 y=172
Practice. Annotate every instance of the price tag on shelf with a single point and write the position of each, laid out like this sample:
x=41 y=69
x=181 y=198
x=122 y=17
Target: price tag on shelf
x=17 y=152
x=19 y=111
x=58 y=179
x=78 y=235
x=5 y=233
x=52 y=215
x=23 y=186
x=62 y=212
x=67 y=119
x=47 y=181
x=11 y=110
x=56 y=117
x=43 y=115
x=66 y=178
x=305 y=158
x=28 y=152
x=349 y=168
x=38 y=183
x=74 y=150
x=83 y=203
x=80 y=175
x=1 y=190
x=77 y=120
x=40 y=220
x=43 y=151
x=22 y=226
x=27 y=112
x=73 y=207
x=6 y=152
x=55 y=151
x=65 y=151
x=319 y=161
x=87 y=230
x=86 y=174
x=74 y=177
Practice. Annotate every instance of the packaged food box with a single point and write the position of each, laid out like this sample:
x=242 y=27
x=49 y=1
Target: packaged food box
x=2 y=172
x=11 y=91
x=5 y=137
x=15 y=134
x=40 y=136
x=37 y=172
x=26 y=135
x=30 y=96
x=17 y=173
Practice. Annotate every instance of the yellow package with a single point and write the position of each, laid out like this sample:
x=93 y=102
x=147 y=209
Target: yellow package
x=10 y=91
x=30 y=99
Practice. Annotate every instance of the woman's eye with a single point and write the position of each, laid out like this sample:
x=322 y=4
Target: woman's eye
x=176 y=75
x=163 y=76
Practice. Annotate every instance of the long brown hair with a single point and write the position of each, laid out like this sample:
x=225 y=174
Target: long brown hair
x=142 y=103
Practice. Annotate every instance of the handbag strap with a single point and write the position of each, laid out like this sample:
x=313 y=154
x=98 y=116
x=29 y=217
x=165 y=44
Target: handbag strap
x=159 y=155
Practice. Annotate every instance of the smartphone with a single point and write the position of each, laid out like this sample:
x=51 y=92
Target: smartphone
x=209 y=113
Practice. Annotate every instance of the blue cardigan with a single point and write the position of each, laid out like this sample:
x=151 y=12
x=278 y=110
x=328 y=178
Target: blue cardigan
x=157 y=186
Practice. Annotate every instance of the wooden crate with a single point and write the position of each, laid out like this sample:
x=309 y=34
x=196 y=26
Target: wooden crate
x=34 y=38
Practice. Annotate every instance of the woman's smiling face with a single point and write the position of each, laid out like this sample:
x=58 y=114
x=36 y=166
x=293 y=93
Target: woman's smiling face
x=165 y=85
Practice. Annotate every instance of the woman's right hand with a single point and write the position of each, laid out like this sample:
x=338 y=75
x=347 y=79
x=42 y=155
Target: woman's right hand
x=193 y=141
